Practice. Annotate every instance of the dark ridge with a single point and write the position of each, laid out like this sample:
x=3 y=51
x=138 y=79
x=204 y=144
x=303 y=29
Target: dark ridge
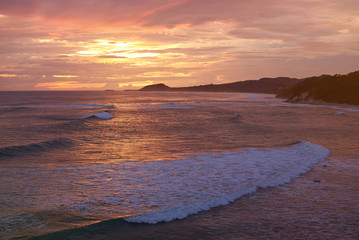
x=156 y=87
x=264 y=85
x=340 y=89
x=14 y=151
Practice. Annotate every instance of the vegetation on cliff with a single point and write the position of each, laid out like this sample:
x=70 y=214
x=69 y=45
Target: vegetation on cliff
x=342 y=89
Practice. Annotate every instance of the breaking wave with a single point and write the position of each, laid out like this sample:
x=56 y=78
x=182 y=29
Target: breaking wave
x=243 y=171
x=101 y=115
x=161 y=191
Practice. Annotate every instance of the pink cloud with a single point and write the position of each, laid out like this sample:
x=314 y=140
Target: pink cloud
x=309 y=17
x=229 y=38
x=84 y=12
x=148 y=12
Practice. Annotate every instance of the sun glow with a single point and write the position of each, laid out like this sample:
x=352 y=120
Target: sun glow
x=13 y=75
x=64 y=76
x=113 y=44
x=8 y=75
x=117 y=52
x=68 y=85
x=163 y=74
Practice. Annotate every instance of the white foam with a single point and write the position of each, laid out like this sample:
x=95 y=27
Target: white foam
x=101 y=115
x=156 y=191
x=240 y=173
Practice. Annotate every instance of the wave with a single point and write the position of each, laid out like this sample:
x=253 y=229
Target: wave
x=173 y=105
x=163 y=191
x=7 y=109
x=271 y=167
x=18 y=150
x=101 y=115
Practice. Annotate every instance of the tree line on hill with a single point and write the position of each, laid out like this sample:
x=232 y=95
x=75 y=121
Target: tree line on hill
x=342 y=89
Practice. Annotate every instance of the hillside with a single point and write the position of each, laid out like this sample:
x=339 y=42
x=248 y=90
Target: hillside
x=342 y=89
x=264 y=85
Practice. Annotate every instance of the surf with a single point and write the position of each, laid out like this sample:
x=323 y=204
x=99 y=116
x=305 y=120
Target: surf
x=235 y=174
x=184 y=187
x=100 y=115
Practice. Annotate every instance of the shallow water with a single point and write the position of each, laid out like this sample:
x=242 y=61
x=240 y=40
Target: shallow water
x=63 y=167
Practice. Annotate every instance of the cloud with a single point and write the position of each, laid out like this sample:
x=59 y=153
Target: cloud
x=181 y=42
x=111 y=56
x=84 y=12
x=68 y=85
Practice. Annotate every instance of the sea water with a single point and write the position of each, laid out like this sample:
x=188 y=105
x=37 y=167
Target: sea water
x=70 y=159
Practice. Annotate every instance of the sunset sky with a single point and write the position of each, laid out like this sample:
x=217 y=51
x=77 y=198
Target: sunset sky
x=127 y=44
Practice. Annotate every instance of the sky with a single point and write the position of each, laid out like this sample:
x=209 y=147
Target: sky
x=128 y=44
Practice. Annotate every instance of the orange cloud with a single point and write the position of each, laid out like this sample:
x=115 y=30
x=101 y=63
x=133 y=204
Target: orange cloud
x=5 y=75
x=69 y=85
x=64 y=76
x=179 y=42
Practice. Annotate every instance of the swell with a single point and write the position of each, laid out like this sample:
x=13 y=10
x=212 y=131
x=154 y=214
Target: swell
x=18 y=150
x=14 y=109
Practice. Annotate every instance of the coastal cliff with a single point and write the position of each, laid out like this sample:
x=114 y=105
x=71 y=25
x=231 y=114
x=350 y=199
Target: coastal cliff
x=341 y=89
x=264 y=85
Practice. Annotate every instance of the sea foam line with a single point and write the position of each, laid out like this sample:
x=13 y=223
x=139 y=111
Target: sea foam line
x=275 y=167
x=157 y=191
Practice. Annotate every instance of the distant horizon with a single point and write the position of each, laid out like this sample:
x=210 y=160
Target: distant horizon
x=136 y=89
x=126 y=45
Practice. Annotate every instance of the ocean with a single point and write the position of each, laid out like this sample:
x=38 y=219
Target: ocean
x=176 y=165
